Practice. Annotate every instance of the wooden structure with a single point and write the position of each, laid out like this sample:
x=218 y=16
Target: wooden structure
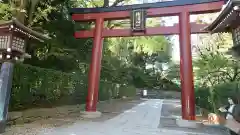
x=13 y=36
x=228 y=21
x=181 y=8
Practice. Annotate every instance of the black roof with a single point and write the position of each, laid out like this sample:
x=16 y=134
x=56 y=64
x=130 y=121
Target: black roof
x=25 y=30
x=226 y=17
x=140 y=6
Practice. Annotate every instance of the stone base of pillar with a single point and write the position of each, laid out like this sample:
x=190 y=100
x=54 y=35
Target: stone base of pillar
x=91 y=115
x=189 y=123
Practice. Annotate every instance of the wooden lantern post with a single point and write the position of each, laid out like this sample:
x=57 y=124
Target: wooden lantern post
x=13 y=36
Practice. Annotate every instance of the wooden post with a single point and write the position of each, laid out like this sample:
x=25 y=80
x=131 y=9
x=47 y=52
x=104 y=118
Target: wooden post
x=186 y=71
x=6 y=76
x=95 y=67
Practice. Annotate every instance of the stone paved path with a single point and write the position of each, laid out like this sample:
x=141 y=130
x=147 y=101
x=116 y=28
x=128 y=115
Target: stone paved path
x=143 y=119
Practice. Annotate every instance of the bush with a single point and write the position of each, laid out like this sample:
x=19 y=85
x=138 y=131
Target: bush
x=38 y=87
x=202 y=96
x=172 y=87
x=128 y=91
x=218 y=97
x=34 y=86
x=225 y=90
x=107 y=90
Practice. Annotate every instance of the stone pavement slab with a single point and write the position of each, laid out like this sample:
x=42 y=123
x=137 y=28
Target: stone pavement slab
x=143 y=119
x=172 y=110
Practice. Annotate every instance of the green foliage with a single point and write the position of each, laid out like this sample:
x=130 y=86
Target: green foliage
x=214 y=66
x=216 y=74
x=173 y=71
x=128 y=91
x=37 y=87
x=147 y=45
x=225 y=90
x=217 y=96
x=108 y=90
x=202 y=96
x=170 y=85
x=124 y=59
x=34 y=86
x=5 y=12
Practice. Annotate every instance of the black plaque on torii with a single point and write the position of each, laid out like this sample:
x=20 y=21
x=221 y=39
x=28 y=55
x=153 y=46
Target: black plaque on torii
x=138 y=20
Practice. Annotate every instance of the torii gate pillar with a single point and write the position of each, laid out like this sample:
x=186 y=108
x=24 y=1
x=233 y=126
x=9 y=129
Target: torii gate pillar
x=186 y=71
x=95 y=67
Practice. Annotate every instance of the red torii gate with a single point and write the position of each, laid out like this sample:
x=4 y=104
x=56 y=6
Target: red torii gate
x=181 y=8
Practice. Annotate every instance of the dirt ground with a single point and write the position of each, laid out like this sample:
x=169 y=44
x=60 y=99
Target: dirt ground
x=35 y=120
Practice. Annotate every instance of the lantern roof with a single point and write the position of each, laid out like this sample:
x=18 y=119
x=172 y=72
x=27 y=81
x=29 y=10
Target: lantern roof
x=17 y=26
x=227 y=19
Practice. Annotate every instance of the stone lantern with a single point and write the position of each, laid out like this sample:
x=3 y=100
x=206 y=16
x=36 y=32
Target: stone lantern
x=13 y=37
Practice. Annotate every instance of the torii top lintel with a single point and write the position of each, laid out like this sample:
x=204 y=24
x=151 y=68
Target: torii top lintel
x=167 y=8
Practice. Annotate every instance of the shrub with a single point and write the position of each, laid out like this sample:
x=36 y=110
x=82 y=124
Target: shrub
x=202 y=96
x=128 y=91
x=38 y=87
x=225 y=90
x=217 y=96
x=34 y=86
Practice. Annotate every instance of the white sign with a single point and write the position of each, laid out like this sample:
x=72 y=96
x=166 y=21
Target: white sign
x=144 y=92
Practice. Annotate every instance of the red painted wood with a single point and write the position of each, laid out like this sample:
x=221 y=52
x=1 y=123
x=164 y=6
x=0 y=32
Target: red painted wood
x=95 y=67
x=154 y=12
x=128 y=33
x=184 y=29
x=186 y=71
x=195 y=28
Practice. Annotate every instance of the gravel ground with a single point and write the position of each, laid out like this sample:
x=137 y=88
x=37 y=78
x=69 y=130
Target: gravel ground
x=47 y=119
x=147 y=116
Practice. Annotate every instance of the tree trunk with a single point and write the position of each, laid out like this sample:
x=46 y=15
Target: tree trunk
x=106 y=3
x=21 y=10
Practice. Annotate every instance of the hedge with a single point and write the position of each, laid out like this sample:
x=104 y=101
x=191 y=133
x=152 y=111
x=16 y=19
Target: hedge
x=217 y=96
x=203 y=100
x=127 y=91
x=38 y=87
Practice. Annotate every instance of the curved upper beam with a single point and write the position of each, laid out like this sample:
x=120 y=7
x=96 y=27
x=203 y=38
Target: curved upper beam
x=153 y=12
x=140 y=6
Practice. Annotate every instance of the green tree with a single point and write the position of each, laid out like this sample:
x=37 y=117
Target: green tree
x=5 y=12
x=215 y=69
